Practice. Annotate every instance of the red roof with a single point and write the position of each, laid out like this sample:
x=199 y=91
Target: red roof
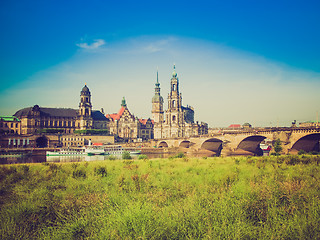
x=97 y=144
x=235 y=126
x=144 y=121
x=116 y=116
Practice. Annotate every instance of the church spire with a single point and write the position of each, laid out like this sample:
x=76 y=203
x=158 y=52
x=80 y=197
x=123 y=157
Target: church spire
x=174 y=74
x=157 y=77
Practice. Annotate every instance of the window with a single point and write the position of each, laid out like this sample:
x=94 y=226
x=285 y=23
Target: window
x=173 y=118
x=174 y=103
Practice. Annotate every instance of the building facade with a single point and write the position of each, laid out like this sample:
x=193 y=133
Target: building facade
x=178 y=120
x=63 y=120
x=128 y=127
x=10 y=125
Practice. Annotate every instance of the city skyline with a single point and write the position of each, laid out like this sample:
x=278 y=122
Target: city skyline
x=255 y=63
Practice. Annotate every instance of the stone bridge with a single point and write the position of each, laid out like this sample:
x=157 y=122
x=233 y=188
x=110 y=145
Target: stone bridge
x=247 y=142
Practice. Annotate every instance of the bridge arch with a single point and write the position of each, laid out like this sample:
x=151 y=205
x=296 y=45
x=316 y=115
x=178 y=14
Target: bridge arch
x=308 y=143
x=213 y=145
x=163 y=144
x=252 y=144
x=185 y=144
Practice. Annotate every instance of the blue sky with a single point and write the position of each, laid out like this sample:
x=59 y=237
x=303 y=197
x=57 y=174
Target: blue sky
x=238 y=61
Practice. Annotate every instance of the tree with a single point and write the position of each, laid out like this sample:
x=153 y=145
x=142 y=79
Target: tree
x=277 y=146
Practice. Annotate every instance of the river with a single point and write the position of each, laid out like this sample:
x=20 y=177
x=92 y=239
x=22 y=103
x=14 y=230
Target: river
x=43 y=158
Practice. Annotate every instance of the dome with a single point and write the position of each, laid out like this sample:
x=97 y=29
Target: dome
x=85 y=89
x=157 y=98
x=174 y=74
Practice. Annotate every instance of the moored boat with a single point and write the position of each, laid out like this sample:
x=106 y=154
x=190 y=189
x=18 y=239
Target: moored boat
x=119 y=150
x=66 y=152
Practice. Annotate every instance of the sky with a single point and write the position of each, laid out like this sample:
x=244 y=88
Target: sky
x=237 y=61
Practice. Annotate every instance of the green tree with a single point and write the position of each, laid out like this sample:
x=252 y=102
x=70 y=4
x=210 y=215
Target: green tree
x=126 y=155
x=277 y=146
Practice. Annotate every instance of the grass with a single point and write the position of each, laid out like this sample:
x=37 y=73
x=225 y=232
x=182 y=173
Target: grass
x=275 y=197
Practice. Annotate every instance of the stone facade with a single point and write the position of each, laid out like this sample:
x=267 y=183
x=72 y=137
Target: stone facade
x=64 y=120
x=178 y=120
x=9 y=125
x=74 y=140
x=128 y=127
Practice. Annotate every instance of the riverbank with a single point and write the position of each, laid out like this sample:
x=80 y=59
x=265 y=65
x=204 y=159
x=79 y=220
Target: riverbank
x=176 y=198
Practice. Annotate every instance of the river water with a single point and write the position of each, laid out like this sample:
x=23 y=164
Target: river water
x=43 y=158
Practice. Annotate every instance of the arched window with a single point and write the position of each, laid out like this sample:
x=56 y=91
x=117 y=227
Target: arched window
x=173 y=87
x=174 y=103
x=173 y=118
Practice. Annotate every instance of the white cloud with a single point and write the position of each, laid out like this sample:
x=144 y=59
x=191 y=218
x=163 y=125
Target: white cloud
x=95 y=45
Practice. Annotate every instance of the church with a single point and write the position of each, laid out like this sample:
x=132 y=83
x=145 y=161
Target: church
x=177 y=121
x=128 y=127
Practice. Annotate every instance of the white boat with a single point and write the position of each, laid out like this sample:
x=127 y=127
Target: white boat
x=67 y=152
x=94 y=150
x=119 y=150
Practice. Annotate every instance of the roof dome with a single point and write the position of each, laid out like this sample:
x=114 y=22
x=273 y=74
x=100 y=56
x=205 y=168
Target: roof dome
x=157 y=98
x=174 y=74
x=85 y=89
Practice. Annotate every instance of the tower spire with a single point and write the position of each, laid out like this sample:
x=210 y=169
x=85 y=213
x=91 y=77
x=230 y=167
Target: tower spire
x=157 y=76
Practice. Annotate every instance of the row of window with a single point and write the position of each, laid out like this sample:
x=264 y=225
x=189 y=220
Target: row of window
x=73 y=144
x=56 y=123
x=8 y=125
x=72 y=139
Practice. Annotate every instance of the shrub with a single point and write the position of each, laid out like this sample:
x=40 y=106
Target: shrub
x=100 y=171
x=25 y=169
x=112 y=157
x=292 y=160
x=179 y=155
x=277 y=146
x=126 y=155
x=74 y=165
x=301 y=152
x=142 y=157
x=275 y=154
x=79 y=173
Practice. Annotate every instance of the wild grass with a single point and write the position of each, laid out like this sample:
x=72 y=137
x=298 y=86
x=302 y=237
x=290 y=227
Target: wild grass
x=274 y=197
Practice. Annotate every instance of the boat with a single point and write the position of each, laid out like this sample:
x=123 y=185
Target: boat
x=67 y=152
x=94 y=150
x=119 y=150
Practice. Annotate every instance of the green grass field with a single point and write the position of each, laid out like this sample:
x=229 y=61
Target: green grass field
x=176 y=198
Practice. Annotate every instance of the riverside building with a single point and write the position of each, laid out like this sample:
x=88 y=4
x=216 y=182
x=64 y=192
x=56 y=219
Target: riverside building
x=63 y=120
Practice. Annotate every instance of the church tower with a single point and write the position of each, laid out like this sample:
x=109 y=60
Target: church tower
x=157 y=104
x=157 y=111
x=174 y=114
x=85 y=110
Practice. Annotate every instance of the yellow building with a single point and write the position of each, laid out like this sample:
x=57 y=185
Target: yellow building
x=10 y=125
x=64 y=120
